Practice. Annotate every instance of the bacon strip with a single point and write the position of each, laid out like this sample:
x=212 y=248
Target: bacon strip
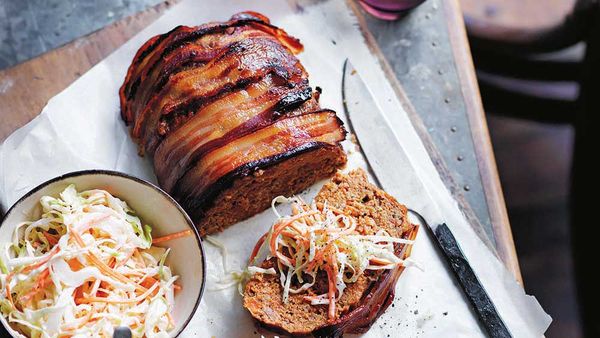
x=262 y=148
x=236 y=114
x=159 y=47
x=241 y=63
x=193 y=54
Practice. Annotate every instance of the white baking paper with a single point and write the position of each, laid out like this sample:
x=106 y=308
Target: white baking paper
x=80 y=128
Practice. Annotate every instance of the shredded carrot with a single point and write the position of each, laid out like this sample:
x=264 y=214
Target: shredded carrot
x=319 y=255
x=50 y=254
x=257 y=247
x=281 y=226
x=112 y=262
x=94 y=221
x=32 y=267
x=139 y=258
x=379 y=261
x=118 y=301
x=149 y=282
x=75 y=264
x=128 y=257
x=176 y=235
x=50 y=238
x=41 y=280
x=331 y=278
x=8 y=293
x=78 y=293
x=103 y=267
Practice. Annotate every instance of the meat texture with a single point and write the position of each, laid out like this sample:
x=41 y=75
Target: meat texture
x=223 y=101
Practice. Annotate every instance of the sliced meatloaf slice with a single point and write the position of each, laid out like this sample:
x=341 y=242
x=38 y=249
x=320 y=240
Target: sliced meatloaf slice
x=363 y=301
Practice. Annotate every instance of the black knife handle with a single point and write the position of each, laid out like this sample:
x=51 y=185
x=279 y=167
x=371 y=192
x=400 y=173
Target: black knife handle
x=471 y=285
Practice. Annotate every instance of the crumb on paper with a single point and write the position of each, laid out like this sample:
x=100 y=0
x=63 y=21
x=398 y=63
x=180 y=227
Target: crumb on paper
x=423 y=319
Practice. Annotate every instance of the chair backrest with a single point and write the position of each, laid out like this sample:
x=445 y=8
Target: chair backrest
x=566 y=24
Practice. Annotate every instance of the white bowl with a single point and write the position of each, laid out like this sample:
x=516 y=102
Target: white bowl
x=153 y=206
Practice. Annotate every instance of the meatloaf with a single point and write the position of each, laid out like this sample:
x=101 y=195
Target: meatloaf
x=226 y=114
x=363 y=301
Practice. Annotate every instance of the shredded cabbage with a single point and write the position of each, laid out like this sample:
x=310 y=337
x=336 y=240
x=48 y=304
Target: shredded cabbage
x=86 y=266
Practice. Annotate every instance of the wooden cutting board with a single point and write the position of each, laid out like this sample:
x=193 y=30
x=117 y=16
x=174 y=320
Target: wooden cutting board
x=26 y=88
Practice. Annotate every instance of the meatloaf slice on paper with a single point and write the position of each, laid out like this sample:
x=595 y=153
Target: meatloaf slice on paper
x=363 y=301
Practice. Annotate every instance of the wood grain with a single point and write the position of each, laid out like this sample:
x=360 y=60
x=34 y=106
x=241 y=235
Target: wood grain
x=25 y=89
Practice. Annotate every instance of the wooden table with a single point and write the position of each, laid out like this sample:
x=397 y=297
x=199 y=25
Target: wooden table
x=427 y=52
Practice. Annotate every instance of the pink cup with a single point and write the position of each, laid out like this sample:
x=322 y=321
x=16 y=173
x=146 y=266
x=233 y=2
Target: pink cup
x=389 y=9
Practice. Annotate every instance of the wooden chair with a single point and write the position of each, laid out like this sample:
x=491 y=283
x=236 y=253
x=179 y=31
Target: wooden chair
x=504 y=52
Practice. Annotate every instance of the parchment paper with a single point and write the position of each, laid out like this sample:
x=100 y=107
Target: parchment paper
x=80 y=128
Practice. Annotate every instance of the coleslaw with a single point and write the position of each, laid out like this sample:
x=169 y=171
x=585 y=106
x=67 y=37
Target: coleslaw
x=86 y=266
x=321 y=237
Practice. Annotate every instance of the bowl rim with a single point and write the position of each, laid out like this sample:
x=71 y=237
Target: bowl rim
x=108 y=172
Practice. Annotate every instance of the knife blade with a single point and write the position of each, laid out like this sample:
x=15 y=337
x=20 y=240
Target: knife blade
x=384 y=155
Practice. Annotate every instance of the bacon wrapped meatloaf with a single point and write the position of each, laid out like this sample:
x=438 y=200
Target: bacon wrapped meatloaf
x=226 y=113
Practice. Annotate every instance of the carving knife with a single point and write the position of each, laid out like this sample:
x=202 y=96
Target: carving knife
x=385 y=156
